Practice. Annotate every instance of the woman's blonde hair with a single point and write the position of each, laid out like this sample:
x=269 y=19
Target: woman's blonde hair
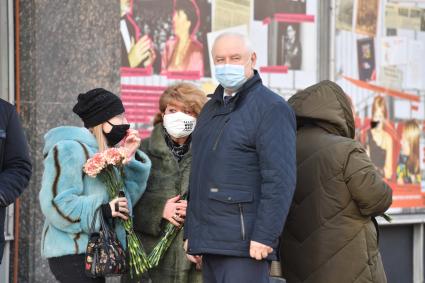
x=379 y=103
x=188 y=94
x=100 y=137
x=411 y=133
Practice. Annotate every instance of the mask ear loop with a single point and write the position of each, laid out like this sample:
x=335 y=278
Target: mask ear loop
x=109 y=124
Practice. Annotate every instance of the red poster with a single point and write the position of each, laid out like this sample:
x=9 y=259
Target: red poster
x=141 y=105
x=161 y=41
x=393 y=146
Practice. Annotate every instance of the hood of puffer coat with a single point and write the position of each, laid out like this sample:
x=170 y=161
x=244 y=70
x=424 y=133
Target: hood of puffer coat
x=325 y=105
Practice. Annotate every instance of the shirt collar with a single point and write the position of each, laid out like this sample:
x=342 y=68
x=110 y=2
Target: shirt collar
x=232 y=94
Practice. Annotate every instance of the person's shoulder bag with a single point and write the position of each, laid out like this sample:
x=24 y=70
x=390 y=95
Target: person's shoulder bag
x=105 y=255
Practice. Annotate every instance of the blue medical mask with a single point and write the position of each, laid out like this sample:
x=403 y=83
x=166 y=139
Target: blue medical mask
x=230 y=76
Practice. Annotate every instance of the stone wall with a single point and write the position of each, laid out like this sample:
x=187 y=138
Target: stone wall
x=67 y=47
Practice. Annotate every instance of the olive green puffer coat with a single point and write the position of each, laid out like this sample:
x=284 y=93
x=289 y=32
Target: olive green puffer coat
x=329 y=235
x=167 y=179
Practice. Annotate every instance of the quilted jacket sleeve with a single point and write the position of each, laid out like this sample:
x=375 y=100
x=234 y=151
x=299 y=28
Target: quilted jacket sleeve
x=372 y=195
x=16 y=170
x=276 y=143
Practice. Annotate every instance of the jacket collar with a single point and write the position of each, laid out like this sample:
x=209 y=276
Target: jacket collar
x=242 y=92
x=69 y=133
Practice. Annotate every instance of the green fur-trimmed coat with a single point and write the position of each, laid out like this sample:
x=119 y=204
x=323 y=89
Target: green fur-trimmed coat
x=168 y=178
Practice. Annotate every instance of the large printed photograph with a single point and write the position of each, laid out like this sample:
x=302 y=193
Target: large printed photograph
x=285 y=37
x=165 y=37
x=367 y=17
x=393 y=145
x=344 y=14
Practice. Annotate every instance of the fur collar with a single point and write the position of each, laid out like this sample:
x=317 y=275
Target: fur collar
x=157 y=145
x=78 y=134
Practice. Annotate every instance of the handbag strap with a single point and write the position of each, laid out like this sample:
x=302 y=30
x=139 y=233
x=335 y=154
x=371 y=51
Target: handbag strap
x=103 y=224
x=93 y=222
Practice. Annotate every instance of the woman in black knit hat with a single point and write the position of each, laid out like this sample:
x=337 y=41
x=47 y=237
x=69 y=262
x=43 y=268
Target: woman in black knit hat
x=69 y=199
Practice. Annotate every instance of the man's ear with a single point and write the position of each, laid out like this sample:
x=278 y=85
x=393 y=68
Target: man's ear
x=254 y=59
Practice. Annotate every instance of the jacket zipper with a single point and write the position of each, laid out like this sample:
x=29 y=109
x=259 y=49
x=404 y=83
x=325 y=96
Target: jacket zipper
x=220 y=134
x=242 y=221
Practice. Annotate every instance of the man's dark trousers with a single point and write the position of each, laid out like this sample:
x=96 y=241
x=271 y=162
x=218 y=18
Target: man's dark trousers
x=228 y=269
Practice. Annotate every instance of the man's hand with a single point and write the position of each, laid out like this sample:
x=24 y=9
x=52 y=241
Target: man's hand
x=259 y=251
x=196 y=259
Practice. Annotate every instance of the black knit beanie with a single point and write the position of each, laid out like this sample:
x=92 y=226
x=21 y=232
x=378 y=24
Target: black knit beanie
x=97 y=106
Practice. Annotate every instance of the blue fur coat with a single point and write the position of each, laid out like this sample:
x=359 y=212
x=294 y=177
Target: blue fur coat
x=69 y=199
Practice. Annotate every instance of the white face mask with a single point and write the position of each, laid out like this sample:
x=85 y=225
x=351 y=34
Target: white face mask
x=179 y=125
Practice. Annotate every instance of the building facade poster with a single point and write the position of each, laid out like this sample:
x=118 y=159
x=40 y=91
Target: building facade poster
x=163 y=42
x=379 y=65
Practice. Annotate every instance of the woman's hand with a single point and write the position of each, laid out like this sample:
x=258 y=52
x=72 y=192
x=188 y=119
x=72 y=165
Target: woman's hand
x=175 y=211
x=132 y=142
x=140 y=51
x=119 y=208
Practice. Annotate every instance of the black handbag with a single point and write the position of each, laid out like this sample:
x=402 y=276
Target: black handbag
x=105 y=255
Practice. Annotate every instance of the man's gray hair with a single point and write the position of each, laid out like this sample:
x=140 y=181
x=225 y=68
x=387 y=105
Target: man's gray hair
x=245 y=39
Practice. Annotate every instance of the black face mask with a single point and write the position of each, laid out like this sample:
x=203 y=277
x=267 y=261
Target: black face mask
x=117 y=133
x=374 y=124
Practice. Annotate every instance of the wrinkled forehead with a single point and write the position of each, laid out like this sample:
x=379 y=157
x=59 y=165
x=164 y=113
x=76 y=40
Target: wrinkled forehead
x=229 y=45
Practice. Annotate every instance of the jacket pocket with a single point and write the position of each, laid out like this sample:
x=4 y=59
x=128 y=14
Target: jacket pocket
x=220 y=133
x=230 y=196
x=232 y=199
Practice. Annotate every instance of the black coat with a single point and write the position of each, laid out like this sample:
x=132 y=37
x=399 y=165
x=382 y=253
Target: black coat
x=15 y=165
x=243 y=172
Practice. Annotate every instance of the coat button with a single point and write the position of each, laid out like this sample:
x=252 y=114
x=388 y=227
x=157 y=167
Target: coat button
x=229 y=198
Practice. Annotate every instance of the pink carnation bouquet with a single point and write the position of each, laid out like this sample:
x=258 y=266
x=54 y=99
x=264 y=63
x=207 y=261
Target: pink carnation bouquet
x=109 y=167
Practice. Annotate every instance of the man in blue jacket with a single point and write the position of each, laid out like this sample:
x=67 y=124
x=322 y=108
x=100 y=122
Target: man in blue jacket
x=15 y=165
x=243 y=170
